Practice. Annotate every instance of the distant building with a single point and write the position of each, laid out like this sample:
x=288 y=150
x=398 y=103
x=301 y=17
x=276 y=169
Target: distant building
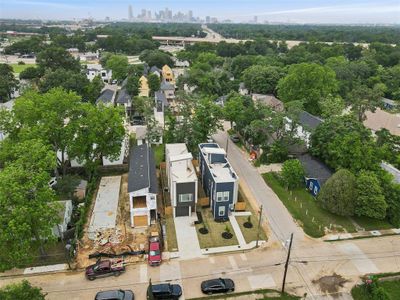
x=94 y=70
x=219 y=180
x=307 y=125
x=130 y=13
x=168 y=89
x=243 y=90
x=208 y=19
x=144 y=90
x=390 y=104
x=106 y=97
x=167 y=74
x=269 y=100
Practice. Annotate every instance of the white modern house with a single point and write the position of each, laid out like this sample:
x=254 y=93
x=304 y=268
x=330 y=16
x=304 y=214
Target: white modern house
x=142 y=186
x=94 y=70
x=182 y=179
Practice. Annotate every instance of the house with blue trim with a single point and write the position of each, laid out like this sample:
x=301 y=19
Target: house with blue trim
x=317 y=173
x=219 y=180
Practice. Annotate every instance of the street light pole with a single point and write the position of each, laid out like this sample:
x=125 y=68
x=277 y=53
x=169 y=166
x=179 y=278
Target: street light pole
x=259 y=225
x=287 y=264
x=227 y=145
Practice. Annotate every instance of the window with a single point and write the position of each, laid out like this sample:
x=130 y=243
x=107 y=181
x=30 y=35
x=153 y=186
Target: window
x=185 y=197
x=315 y=190
x=311 y=185
x=222 y=196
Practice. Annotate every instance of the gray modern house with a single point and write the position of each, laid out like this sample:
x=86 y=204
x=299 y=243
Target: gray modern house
x=142 y=186
x=182 y=179
x=219 y=180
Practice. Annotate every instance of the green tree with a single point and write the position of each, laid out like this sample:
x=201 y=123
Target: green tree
x=99 y=132
x=370 y=200
x=154 y=83
x=132 y=85
x=156 y=58
x=331 y=106
x=30 y=73
x=118 y=64
x=309 y=83
x=93 y=90
x=8 y=83
x=339 y=193
x=22 y=290
x=391 y=78
x=293 y=173
x=54 y=58
x=363 y=99
x=233 y=108
x=262 y=79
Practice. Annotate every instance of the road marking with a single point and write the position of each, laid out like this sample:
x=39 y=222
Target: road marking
x=358 y=258
x=261 y=281
x=233 y=262
x=243 y=257
x=143 y=273
x=212 y=260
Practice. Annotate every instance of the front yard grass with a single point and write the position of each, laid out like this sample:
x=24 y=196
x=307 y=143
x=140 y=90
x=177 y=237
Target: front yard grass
x=372 y=224
x=215 y=229
x=19 y=68
x=359 y=292
x=250 y=234
x=257 y=294
x=306 y=210
x=159 y=153
x=171 y=234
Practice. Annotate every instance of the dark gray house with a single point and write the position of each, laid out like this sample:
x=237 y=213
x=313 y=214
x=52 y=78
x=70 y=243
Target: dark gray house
x=182 y=179
x=219 y=180
x=106 y=97
x=142 y=186
x=317 y=173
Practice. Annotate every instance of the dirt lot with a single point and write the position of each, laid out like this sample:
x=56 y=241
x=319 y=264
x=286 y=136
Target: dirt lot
x=122 y=238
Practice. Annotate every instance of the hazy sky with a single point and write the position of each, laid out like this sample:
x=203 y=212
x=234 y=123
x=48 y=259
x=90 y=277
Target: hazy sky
x=311 y=11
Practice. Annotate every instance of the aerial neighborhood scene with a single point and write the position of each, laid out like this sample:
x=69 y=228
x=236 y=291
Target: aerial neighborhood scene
x=199 y=150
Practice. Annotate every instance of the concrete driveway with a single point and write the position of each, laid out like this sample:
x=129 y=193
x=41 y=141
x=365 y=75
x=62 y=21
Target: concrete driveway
x=186 y=235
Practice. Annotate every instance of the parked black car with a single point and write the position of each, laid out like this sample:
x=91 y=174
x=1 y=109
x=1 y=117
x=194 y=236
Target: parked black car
x=219 y=285
x=115 y=295
x=165 y=291
x=235 y=138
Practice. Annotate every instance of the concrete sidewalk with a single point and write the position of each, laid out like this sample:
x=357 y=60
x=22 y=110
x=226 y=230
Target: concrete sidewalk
x=186 y=235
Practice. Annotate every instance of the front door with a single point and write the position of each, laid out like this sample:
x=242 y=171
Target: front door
x=221 y=211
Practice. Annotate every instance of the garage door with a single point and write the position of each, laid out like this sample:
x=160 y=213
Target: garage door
x=182 y=211
x=140 y=221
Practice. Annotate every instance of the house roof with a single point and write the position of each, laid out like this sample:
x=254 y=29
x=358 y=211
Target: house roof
x=106 y=96
x=142 y=169
x=123 y=97
x=165 y=85
x=309 y=121
x=269 y=100
x=180 y=161
x=392 y=170
x=389 y=101
x=315 y=168
x=154 y=69
x=160 y=96
x=382 y=119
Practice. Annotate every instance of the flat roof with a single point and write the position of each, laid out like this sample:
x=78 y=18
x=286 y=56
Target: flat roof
x=180 y=160
x=105 y=209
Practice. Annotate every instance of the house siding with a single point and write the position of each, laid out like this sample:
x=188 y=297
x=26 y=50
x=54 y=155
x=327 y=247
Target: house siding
x=186 y=188
x=313 y=186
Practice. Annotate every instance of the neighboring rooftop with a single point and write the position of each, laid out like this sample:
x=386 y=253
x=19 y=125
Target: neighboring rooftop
x=123 y=97
x=382 y=119
x=309 y=121
x=269 y=100
x=106 y=96
x=142 y=169
x=160 y=96
x=221 y=170
x=165 y=85
x=392 y=170
x=315 y=168
x=105 y=209
x=390 y=102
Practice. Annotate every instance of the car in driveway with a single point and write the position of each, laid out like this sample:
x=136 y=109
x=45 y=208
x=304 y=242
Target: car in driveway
x=105 y=268
x=218 y=285
x=154 y=257
x=164 y=291
x=115 y=295
x=235 y=138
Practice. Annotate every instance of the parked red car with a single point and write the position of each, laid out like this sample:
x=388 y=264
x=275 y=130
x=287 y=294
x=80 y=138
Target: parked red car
x=105 y=268
x=154 y=251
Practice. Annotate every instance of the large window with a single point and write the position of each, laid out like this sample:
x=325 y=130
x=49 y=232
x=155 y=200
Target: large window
x=222 y=196
x=185 y=198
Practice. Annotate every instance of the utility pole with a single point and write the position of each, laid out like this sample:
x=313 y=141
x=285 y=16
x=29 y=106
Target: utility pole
x=259 y=225
x=287 y=264
x=227 y=145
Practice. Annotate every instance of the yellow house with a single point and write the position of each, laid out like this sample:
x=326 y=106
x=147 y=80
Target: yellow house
x=167 y=74
x=144 y=90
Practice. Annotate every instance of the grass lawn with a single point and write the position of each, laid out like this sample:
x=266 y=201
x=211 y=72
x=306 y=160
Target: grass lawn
x=257 y=294
x=215 y=229
x=250 y=234
x=372 y=224
x=391 y=287
x=55 y=255
x=307 y=211
x=159 y=153
x=19 y=68
x=171 y=234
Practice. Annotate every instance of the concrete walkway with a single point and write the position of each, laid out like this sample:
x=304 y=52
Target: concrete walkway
x=186 y=236
x=236 y=229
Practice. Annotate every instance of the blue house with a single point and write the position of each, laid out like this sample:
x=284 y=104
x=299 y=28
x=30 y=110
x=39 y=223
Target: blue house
x=317 y=173
x=219 y=180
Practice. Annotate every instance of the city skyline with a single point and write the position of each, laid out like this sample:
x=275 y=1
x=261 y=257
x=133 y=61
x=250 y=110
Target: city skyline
x=313 y=11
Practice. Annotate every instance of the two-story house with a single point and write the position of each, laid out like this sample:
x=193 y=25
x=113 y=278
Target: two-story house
x=167 y=74
x=219 y=180
x=144 y=90
x=182 y=179
x=142 y=186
